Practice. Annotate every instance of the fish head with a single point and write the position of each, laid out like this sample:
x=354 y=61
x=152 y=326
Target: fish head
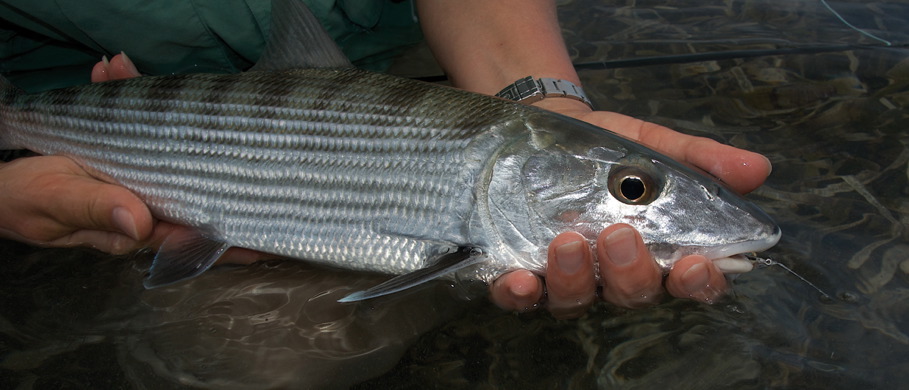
x=567 y=175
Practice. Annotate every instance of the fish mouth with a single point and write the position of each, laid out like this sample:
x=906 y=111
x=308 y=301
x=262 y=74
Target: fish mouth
x=734 y=259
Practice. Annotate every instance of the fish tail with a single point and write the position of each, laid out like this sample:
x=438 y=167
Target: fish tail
x=8 y=94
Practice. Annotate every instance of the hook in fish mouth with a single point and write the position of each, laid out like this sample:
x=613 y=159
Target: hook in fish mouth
x=742 y=262
x=742 y=257
x=759 y=262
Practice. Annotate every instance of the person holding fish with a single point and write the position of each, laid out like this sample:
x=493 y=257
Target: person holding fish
x=484 y=47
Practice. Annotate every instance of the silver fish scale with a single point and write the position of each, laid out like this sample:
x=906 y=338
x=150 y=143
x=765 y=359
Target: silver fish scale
x=352 y=168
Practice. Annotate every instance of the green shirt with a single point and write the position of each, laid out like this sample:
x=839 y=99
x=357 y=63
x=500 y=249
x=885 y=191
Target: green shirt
x=51 y=44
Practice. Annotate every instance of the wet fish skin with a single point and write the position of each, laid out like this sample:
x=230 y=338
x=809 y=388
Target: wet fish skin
x=328 y=165
x=372 y=172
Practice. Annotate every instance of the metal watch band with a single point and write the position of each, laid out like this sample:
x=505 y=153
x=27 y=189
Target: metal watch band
x=528 y=90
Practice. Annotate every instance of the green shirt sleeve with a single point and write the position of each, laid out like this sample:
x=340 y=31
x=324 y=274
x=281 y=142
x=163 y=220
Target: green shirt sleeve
x=50 y=44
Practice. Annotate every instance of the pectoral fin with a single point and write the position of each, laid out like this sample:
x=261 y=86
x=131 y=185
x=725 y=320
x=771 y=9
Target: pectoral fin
x=444 y=265
x=185 y=253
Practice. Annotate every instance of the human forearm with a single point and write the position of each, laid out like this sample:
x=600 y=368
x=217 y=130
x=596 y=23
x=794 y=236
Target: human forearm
x=484 y=45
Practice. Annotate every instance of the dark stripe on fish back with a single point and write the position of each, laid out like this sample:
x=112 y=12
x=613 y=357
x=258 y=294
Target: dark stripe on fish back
x=327 y=98
x=218 y=93
x=106 y=97
x=162 y=94
x=272 y=97
x=298 y=109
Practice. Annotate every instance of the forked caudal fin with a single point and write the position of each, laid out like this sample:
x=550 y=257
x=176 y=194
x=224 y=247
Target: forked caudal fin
x=444 y=265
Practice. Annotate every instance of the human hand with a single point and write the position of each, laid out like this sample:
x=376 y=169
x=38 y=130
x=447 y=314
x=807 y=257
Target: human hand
x=51 y=201
x=628 y=273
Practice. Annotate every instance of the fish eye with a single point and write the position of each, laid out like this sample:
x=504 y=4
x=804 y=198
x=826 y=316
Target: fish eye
x=632 y=186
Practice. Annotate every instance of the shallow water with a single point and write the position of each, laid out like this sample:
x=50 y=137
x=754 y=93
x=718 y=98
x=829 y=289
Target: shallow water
x=826 y=104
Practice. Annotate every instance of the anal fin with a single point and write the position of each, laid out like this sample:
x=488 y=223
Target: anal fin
x=444 y=265
x=184 y=254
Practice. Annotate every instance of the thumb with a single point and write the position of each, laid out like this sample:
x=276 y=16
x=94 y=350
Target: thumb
x=86 y=204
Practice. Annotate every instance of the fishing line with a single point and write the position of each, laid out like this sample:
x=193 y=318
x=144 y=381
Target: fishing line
x=860 y=31
x=691 y=57
x=712 y=56
x=767 y=262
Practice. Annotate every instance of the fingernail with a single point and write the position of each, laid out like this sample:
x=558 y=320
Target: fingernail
x=128 y=64
x=696 y=278
x=522 y=287
x=125 y=222
x=769 y=164
x=621 y=247
x=105 y=60
x=570 y=257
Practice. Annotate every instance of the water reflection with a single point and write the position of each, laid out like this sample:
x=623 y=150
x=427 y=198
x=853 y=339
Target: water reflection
x=273 y=324
x=245 y=328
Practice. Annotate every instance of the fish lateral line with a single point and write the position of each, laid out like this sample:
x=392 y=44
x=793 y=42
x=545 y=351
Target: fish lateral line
x=762 y=262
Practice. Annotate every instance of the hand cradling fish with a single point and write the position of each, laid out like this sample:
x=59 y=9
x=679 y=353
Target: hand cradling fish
x=306 y=157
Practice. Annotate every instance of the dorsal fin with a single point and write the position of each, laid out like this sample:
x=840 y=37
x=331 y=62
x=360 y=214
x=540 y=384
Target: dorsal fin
x=297 y=40
x=8 y=93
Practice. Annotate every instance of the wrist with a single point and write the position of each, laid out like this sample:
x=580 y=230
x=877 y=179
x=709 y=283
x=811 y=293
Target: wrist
x=564 y=106
x=484 y=46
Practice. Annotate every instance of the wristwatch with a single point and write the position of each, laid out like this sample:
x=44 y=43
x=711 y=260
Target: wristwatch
x=527 y=90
